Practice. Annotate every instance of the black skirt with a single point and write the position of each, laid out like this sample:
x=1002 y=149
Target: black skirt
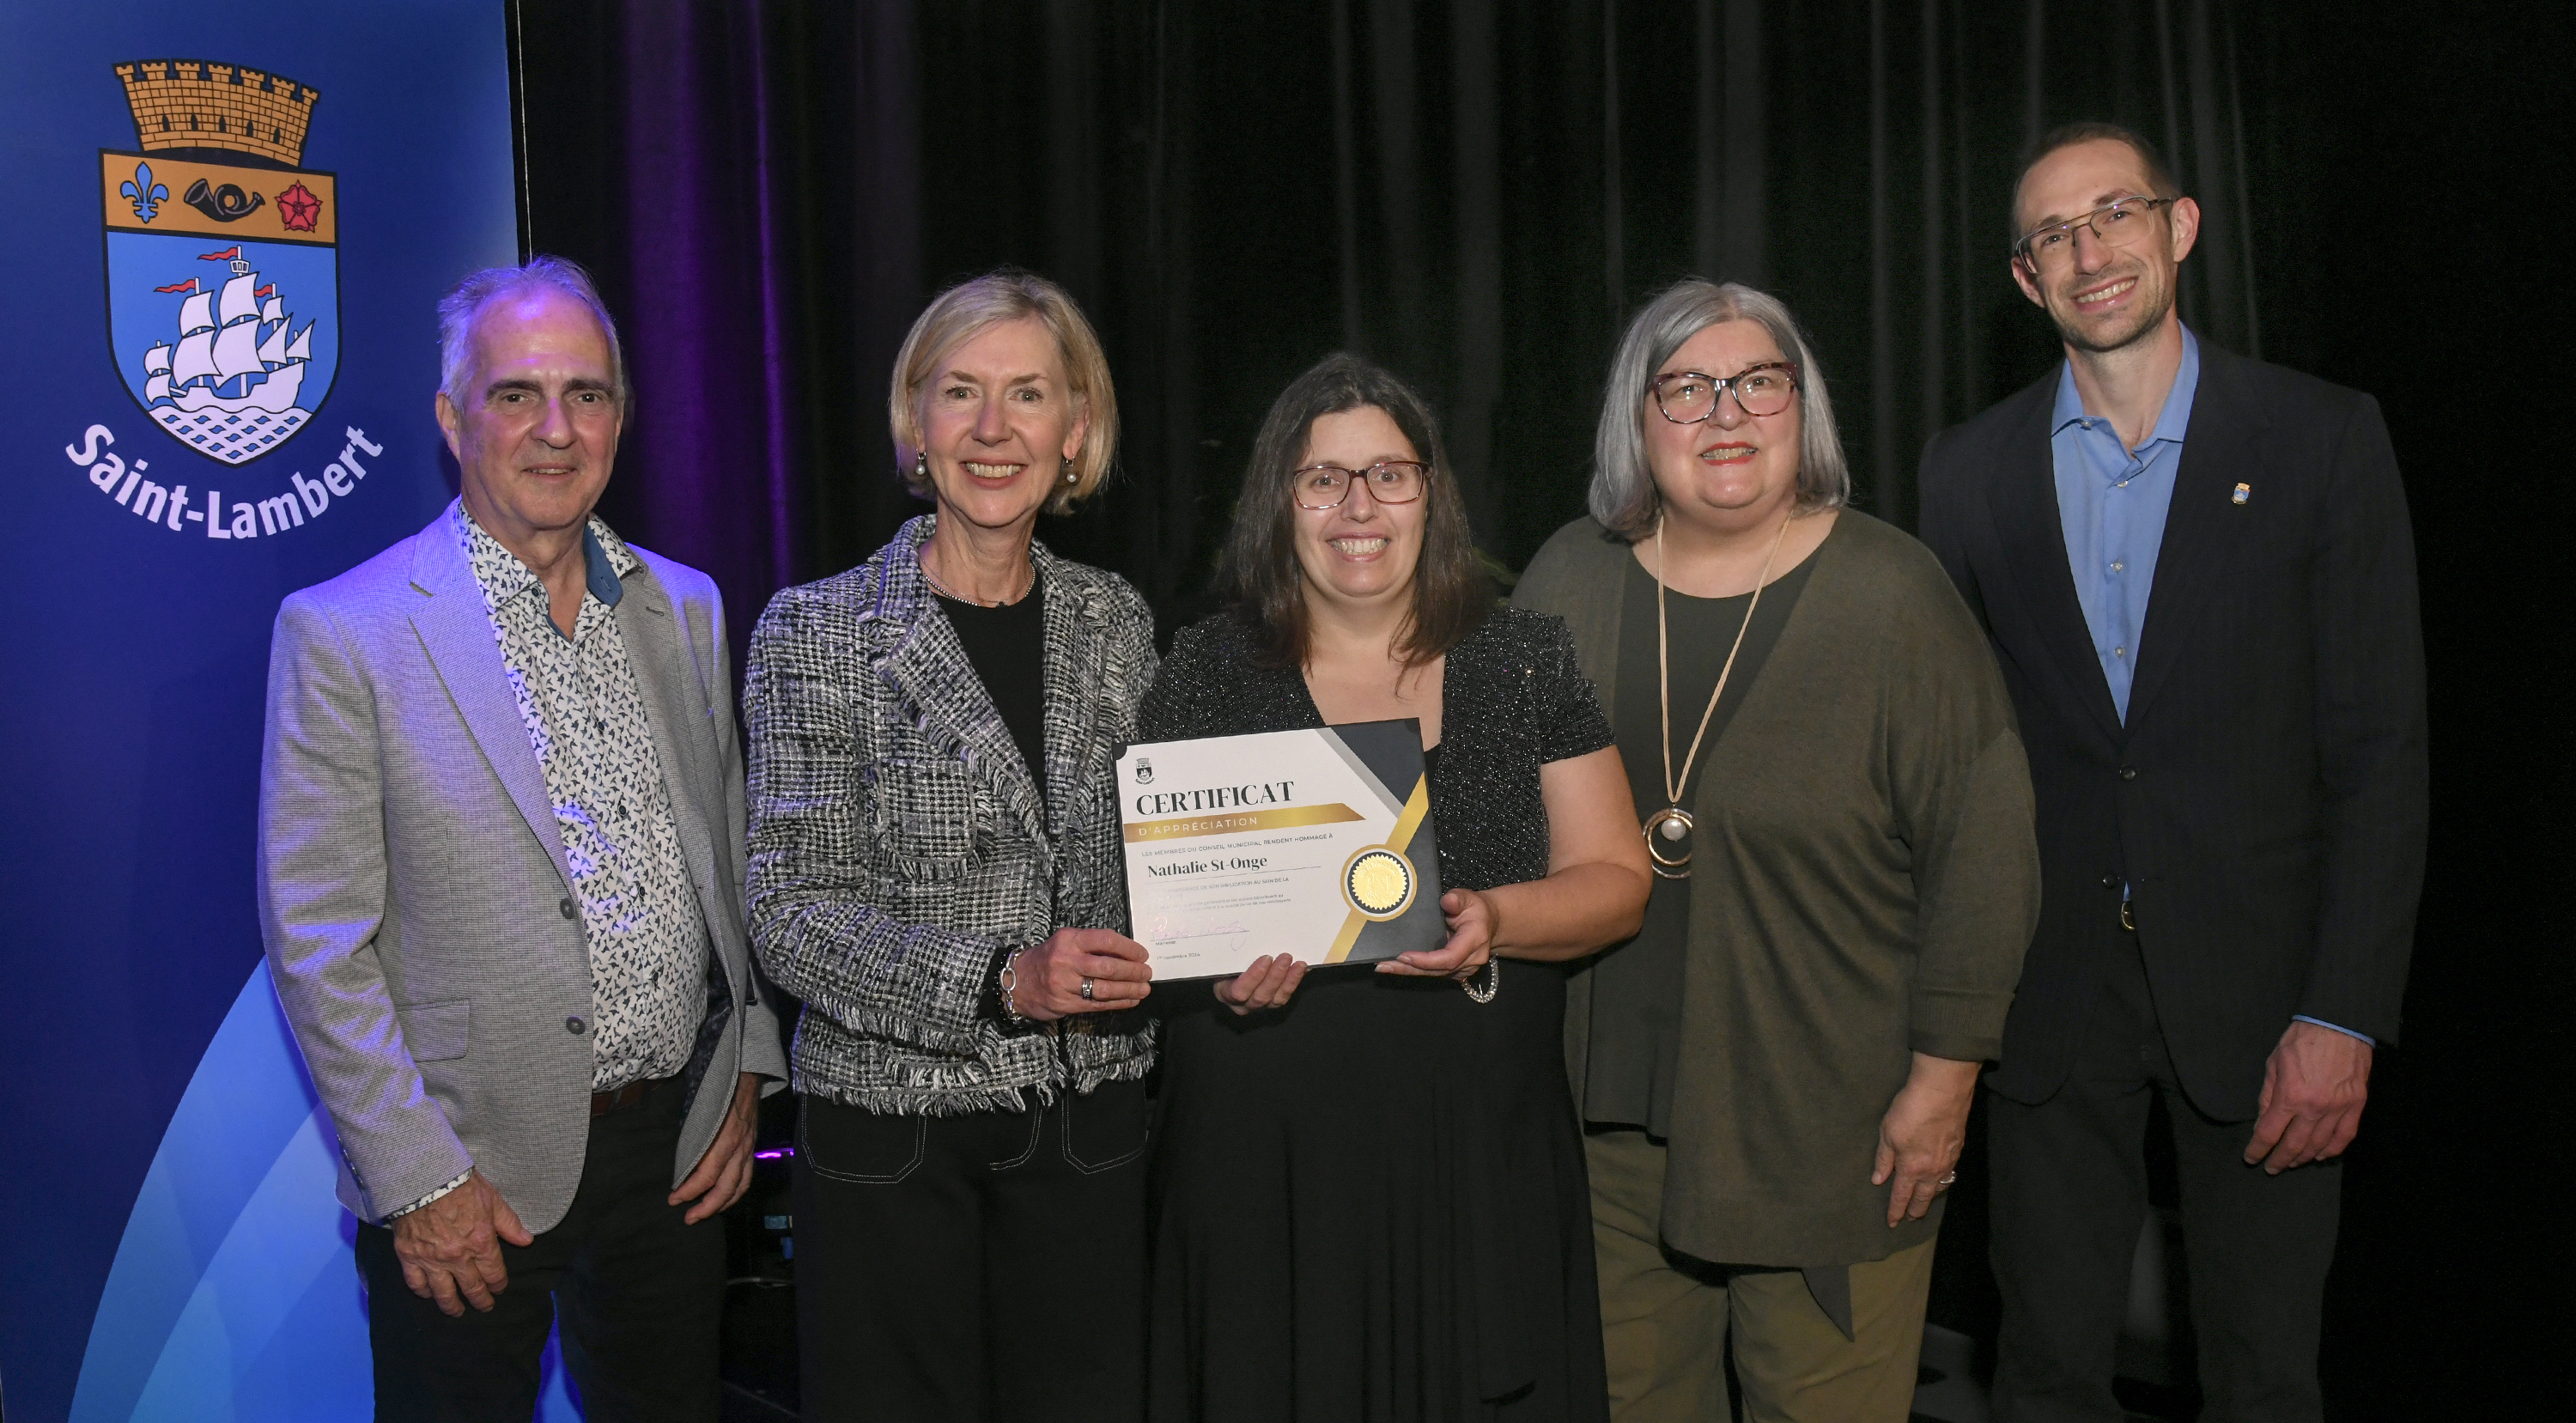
x=1369 y=1206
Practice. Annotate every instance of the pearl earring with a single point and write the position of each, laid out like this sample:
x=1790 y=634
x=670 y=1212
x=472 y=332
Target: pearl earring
x=920 y=465
x=1069 y=475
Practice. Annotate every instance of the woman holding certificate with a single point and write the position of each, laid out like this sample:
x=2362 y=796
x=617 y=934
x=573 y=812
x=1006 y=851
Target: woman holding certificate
x=934 y=871
x=1775 y=1073
x=1370 y=1192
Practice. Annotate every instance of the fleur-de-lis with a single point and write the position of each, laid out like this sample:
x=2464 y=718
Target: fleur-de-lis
x=146 y=194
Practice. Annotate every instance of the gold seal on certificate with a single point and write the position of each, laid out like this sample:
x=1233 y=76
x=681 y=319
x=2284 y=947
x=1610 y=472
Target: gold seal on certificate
x=1314 y=843
x=1378 y=882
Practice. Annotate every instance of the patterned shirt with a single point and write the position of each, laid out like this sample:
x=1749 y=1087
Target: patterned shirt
x=585 y=717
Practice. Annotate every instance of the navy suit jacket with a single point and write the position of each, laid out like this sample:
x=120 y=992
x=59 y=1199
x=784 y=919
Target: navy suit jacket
x=2265 y=801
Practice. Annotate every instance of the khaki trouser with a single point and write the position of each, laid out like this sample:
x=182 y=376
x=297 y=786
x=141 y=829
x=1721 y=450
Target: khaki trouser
x=1665 y=1317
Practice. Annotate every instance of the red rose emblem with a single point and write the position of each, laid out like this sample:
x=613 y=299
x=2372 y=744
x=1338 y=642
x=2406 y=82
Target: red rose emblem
x=298 y=208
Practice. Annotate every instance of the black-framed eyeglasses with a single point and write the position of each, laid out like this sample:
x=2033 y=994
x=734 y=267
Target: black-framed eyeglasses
x=1688 y=397
x=2114 y=225
x=1325 y=486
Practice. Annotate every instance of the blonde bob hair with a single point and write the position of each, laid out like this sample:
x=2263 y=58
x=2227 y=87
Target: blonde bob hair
x=963 y=312
x=1624 y=497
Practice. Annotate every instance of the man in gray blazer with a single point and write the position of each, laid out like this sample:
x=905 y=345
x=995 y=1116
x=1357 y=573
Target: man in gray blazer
x=500 y=877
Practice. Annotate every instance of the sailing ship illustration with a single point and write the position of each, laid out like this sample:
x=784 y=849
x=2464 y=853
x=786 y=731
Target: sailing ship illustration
x=239 y=362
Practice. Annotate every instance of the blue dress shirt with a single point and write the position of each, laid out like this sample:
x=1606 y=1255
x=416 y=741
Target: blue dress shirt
x=2112 y=502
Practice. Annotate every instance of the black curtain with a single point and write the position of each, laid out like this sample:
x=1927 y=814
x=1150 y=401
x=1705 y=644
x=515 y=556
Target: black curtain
x=1476 y=194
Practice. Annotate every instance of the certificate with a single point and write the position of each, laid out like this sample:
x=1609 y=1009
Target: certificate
x=1315 y=843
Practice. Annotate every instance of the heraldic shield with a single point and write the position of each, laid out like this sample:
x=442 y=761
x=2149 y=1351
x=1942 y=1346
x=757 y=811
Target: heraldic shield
x=223 y=281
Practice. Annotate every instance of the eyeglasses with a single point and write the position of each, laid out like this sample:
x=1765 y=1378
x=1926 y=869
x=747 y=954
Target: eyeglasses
x=2117 y=225
x=1688 y=397
x=1325 y=486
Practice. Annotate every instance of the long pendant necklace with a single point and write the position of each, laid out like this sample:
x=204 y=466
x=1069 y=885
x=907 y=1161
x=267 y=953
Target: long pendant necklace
x=1668 y=830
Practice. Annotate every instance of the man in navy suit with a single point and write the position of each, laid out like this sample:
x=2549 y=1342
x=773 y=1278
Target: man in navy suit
x=2197 y=573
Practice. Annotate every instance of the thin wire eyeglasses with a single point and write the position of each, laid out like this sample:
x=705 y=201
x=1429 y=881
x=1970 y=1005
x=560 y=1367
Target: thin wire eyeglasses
x=1325 y=486
x=1688 y=397
x=2114 y=225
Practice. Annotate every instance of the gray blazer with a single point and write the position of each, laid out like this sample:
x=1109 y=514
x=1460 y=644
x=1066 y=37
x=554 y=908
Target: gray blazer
x=414 y=895
x=899 y=844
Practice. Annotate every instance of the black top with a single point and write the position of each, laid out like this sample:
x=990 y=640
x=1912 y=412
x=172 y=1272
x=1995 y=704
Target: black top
x=1371 y=1203
x=1007 y=648
x=1637 y=987
x=2265 y=799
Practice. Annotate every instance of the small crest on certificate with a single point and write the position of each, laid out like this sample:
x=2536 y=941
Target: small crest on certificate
x=1144 y=771
x=1379 y=883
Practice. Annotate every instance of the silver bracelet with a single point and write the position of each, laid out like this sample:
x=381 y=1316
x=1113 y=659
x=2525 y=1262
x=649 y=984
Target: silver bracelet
x=1008 y=980
x=1493 y=980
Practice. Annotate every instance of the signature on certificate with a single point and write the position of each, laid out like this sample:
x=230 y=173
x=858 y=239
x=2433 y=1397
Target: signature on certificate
x=1168 y=930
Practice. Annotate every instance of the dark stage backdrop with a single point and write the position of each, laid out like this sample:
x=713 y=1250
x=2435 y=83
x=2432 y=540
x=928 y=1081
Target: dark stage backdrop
x=1474 y=195
x=1477 y=194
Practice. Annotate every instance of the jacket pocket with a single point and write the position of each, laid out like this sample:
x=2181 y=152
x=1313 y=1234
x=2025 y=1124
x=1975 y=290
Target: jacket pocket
x=1106 y=1127
x=436 y=1032
x=921 y=813
x=841 y=1143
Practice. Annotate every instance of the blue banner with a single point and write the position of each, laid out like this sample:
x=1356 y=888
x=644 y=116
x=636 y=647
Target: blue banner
x=225 y=231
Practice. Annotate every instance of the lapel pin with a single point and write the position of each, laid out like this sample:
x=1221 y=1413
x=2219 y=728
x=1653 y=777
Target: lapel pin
x=2243 y=493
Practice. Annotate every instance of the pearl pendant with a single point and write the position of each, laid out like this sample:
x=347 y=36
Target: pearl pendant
x=1667 y=833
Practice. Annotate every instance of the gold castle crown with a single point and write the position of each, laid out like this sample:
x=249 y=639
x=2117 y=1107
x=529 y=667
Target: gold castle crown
x=197 y=103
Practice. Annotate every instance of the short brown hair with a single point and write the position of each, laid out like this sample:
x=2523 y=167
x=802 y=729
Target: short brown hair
x=1452 y=595
x=2159 y=177
x=963 y=312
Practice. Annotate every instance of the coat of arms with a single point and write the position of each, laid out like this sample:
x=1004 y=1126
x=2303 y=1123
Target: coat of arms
x=222 y=274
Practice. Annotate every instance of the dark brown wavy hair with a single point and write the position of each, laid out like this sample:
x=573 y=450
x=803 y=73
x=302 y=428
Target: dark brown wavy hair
x=1452 y=594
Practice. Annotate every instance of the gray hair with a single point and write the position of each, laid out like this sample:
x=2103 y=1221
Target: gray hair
x=1623 y=496
x=462 y=308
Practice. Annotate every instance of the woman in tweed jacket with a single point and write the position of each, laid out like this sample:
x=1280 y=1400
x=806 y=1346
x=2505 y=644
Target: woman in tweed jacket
x=935 y=872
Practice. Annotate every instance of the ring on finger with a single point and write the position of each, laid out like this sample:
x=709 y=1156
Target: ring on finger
x=1946 y=1182
x=1087 y=995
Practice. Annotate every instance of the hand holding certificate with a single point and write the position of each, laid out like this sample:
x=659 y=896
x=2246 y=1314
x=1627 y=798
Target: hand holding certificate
x=1315 y=845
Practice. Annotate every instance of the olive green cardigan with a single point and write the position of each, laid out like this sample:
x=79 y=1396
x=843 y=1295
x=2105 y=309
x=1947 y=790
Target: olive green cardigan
x=1864 y=880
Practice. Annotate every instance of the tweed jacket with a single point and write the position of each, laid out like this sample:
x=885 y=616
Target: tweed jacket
x=899 y=844
x=414 y=894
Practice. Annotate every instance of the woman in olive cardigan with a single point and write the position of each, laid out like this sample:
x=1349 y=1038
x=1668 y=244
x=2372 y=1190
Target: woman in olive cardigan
x=1775 y=1074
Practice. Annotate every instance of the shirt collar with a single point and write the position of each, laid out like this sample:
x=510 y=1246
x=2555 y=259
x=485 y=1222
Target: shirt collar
x=2171 y=422
x=606 y=560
